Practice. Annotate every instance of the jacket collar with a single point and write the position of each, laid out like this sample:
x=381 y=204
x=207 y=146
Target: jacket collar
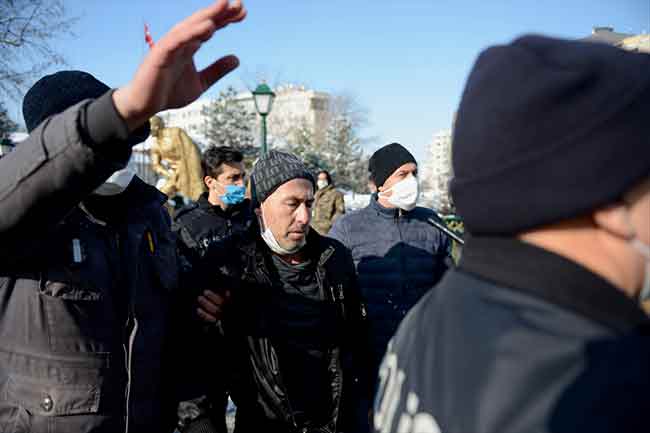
x=523 y=267
x=381 y=210
x=322 y=191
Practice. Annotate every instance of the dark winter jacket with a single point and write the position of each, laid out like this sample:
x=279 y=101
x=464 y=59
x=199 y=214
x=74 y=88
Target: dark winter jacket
x=201 y=224
x=198 y=227
x=253 y=367
x=398 y=256
x=518 y=339
x=82 y=303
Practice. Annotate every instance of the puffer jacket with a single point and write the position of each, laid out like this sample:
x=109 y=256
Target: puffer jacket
x=82 y=304
x=399 y=256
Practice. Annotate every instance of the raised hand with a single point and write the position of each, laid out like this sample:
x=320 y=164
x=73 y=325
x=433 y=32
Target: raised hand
x=167 y=78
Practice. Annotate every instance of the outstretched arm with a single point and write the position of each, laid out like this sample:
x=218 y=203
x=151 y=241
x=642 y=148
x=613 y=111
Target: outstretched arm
x=73 y=152
x=168 y=78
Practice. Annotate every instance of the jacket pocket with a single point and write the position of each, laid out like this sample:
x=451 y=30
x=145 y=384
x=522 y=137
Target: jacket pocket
x=51 y=399
x=79 y=317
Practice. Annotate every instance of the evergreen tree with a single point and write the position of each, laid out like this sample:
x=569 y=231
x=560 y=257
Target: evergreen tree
x=344 y=155
x=340 y=151
x=302 y=143
x=6 y=124
x=229 y=123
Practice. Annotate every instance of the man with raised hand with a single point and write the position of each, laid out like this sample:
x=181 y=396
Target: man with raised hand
x=294 y=328
x=81 y=326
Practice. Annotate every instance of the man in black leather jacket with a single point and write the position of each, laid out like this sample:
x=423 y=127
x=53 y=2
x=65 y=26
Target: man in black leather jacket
x=294 y=330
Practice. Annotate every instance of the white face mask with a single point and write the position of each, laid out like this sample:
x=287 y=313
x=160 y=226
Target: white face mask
x=644 y=250
x=405 y=193
x=117 y=183
x=321 y=183
x=272 y=243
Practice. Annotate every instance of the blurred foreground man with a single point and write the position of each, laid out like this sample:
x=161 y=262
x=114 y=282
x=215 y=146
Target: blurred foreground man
x=539 y=330
x=87 y=264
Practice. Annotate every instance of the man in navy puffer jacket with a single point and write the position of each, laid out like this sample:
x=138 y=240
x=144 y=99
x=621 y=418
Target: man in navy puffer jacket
x=399 y=255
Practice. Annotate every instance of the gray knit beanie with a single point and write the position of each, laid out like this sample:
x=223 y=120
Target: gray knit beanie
x=274 y=169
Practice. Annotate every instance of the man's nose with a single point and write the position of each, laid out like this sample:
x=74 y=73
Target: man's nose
x=303 y=214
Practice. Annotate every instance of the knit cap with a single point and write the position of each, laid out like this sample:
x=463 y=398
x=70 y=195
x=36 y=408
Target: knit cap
x=549 y=129
x=274 y=169
x=386 y=160
x=55 y=93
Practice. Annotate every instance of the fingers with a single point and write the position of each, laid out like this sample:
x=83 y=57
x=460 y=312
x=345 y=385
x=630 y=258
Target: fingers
x=211 y=305
x=218 y=70
x=203 y=23
x=205 y=316
x=216 y=298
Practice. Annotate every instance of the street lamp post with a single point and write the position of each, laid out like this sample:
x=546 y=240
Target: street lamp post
x=263 y=97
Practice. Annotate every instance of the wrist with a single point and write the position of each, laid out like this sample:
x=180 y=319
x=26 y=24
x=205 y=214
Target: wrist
x=133 y=118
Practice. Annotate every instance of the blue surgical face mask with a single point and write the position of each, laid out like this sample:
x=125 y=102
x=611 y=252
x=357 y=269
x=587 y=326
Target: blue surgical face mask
x=235 y=194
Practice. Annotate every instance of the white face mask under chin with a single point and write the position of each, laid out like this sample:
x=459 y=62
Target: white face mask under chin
x=272 y=243
x=404 y=194
x=644 y=250
x=116 y=183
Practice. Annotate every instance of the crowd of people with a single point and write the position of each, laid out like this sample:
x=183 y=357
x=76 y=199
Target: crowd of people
x=116 y=318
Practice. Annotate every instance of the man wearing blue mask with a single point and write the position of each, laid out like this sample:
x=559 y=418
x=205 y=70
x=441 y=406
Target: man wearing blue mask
x=219 y=213
x=217 y=216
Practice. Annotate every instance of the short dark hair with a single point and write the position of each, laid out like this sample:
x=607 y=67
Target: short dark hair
x=214 y=157
x=327 y=173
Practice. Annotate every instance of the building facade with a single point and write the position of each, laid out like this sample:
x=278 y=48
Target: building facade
x=293 y=105
x=437 y=171
x=627 y=41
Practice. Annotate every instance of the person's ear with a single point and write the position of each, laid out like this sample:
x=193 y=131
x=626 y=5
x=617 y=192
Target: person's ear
x=208 y=181
x=614 y=219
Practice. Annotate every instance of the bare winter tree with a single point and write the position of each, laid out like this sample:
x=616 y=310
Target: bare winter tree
x=27 y=29
x=229 y=123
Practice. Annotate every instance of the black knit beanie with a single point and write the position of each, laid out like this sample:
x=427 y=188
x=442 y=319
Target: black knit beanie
x=549 y=129
x=386 y=160
x=54 y=93
x=274 y=169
